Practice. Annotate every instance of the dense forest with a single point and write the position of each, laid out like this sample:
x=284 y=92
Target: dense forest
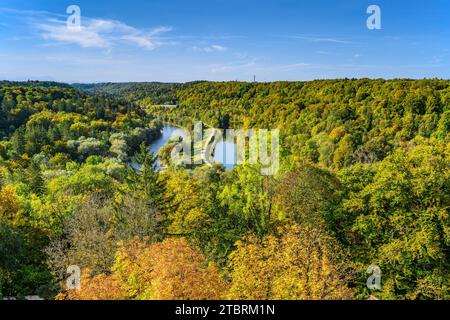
x=364 y=180
x=159 y=93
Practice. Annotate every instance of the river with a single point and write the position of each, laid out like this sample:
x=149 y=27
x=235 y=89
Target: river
x=225 y=152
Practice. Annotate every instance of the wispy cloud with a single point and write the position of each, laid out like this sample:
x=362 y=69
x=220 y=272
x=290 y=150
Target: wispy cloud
x=100 y=33
x=93 y=33
x=233 y=66
x=86 y=36
x=321 y=39
x=256 y=65
x=294 y=66
x=209 y=49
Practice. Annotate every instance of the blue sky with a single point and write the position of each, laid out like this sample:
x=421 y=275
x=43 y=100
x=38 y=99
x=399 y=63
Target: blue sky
x=181 y=40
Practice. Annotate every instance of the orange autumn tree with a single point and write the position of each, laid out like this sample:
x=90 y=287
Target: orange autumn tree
x=101 y=287
x=302 y=263
x=171 y=270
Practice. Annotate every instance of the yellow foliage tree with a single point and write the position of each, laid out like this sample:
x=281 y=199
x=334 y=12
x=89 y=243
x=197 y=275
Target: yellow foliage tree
x=171 y=270
x=101 y=287
x=80 y=128
x=302 y=263
x=10 y=204
x=188 y=214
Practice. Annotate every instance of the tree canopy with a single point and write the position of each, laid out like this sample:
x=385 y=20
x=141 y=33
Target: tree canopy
x=364 y=180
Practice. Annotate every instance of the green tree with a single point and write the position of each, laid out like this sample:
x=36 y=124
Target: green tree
x=148 y=188
x=36 y=179
x=250 y=196
x=18 y=142
x=11 y=251
x=400 y=221
x=146 y=180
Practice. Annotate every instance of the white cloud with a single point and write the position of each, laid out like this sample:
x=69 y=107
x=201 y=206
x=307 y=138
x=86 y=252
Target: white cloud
x=322 y=39
x=159 y=30
x=85 y=36
x=294 y=66
x=218 y=48
x=100 y=33
x=209 y=49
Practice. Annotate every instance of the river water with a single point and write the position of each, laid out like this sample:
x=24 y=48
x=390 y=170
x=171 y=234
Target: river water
x=225 y=152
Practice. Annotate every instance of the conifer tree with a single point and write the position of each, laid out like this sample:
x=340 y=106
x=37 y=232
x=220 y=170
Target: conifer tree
x=148 y=190
x=36 y=180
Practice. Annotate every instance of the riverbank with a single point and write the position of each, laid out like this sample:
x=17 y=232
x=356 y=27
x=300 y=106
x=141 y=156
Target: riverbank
x=221 y=152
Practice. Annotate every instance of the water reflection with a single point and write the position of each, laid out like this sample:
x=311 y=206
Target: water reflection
x=224 y=153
